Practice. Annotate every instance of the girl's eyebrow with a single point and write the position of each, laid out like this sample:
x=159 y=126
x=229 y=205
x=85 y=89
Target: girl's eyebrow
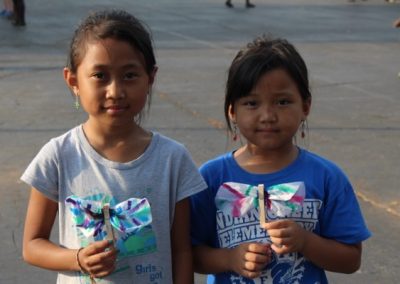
x=251 y=93
x=132 y=65
x=285 y=93
x=128 y=65
x=98 y=66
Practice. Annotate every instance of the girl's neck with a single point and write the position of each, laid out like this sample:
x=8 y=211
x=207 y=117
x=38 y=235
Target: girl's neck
x=118 y=144
x=264 y=162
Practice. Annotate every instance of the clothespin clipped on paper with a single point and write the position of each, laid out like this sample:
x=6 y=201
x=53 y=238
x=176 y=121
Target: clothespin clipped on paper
x=280 y=200
x=261 y=204
x=109 y=229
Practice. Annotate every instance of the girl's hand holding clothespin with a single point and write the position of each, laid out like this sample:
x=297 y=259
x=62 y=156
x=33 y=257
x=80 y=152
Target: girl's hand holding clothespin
x=97 y=259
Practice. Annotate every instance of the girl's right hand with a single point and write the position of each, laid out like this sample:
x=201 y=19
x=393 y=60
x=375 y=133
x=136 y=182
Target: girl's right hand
x=98 y=259
x=249 y=259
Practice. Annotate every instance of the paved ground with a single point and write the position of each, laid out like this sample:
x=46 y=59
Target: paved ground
x=351 y=49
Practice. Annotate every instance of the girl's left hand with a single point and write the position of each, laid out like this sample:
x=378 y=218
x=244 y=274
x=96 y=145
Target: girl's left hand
x=98 y=258
x=286 y=236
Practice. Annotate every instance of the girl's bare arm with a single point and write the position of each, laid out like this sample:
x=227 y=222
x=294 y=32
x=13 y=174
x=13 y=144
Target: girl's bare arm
x=246 y=259
x=182 y=268
x=332 y=255
x=95 y=259
x=39 y=221
x=287 y=236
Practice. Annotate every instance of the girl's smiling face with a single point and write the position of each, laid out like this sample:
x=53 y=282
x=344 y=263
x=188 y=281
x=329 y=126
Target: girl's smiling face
x=271 y=114
x=111 y=81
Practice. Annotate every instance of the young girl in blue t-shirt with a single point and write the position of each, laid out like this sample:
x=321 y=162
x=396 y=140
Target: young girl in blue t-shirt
x=319 y=227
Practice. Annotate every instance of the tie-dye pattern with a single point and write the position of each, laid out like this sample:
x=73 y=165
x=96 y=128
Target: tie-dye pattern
x=127 y=217
x=281 y=200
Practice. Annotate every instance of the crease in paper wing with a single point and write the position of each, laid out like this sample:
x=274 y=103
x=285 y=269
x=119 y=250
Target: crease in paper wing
x=236 y=199
x=286 y=198
x=131 y=215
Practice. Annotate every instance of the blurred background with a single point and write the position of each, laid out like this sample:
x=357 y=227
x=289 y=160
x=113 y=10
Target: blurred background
x=352 y=52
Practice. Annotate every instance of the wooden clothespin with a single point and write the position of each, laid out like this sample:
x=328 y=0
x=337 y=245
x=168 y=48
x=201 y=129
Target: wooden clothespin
x=109 y=229
x=261 y=204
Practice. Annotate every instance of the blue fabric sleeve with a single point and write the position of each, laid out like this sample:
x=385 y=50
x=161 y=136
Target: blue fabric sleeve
x=342 y=219
x=202 y=218
x=203 y=224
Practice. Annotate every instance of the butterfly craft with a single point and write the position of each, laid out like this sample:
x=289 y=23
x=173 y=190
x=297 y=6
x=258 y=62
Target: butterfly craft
x=282 y=200
x=96 y=219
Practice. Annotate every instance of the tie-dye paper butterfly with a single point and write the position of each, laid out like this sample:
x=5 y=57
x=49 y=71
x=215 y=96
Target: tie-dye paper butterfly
x=282 y=200
x=127 y=217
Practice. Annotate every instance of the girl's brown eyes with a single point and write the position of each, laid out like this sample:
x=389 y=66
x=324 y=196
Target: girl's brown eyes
x=284 y=102
x=250 y=103
x=131 y=75
x=98 y=75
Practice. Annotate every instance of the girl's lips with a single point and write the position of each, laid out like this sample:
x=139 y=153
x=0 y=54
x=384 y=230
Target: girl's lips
x=268 y=130
x=115 y=109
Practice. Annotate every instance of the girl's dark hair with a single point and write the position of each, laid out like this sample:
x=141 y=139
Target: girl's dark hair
x=262 y=55
x=116 y=24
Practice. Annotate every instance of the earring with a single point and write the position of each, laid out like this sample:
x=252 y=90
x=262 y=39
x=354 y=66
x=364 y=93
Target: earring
x=76 y=103
x=235 y=134
x=302 y=129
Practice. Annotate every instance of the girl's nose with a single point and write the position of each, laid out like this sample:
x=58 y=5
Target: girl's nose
x=268 y=114
x=115 y=90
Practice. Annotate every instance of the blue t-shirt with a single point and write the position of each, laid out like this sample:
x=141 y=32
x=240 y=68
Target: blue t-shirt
x=330 y=209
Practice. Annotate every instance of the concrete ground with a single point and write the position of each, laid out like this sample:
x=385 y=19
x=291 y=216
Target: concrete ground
x=351 y=49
